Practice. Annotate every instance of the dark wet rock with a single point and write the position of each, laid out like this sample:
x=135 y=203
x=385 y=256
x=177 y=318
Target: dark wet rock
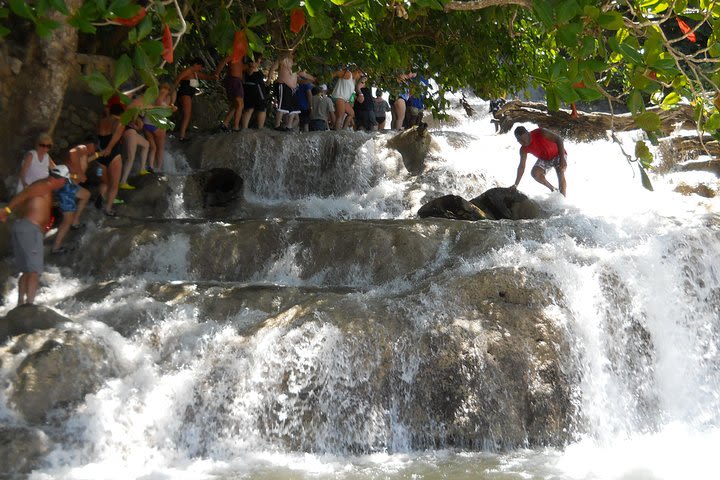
x=451 y=206
x=27 y=319
x=508 y=203
x=150 y=199
x=21 y=449
x=68 y=365
x=414 y=144
x=217 y=187
x=493 y=204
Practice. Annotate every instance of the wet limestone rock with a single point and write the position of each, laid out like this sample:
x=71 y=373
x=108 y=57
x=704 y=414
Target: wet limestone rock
x=21 y=449
x=494 y=204
x=150 y=199
x=451 y=206
x=414 y=145
x=509 y=203
x=27 y=319
x=68 y=365
x=217 y=187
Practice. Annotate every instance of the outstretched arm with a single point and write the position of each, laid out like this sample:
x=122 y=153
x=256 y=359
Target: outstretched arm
x=521 y=167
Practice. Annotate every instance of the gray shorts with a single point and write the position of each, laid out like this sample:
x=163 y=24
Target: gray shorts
x=27 y=243
x=546 y=165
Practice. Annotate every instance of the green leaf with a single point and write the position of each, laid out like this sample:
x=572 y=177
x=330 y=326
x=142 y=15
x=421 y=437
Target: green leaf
x=635 y=102
x=21 y=9
x=44 y=26
x=60 y=6
x=567 y=92
x=642 y=152
x=153 y=49
x=151 y=94
x=544 y=11
x=132 y=36
x=99 y=85
x=123 y=70
x=589 y=94
x=591 y=12
x=288 y=4
x=712 y=123
x=321 y=26
x=257 y=18
x=254 y=41
x=630 y=53
x=588 y=46
x=129 y=115
x=552 y=99
x=648 y=121
x=144 y=28
x=680 y=6
x=567 y=35
x=567 y=11
x=3 y=31
x=670 y=99
x=645 y=179
x=611 y=20
x=82 y=24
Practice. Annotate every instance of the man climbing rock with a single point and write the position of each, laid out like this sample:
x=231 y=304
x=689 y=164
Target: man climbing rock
x=548 y=147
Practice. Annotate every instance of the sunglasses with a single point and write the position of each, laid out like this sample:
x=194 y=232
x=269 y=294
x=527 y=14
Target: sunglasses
x=46 y=145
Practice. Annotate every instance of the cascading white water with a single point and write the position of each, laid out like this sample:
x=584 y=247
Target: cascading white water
x=219 y=397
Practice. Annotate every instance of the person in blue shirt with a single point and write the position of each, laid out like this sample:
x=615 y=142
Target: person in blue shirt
x=303 y=99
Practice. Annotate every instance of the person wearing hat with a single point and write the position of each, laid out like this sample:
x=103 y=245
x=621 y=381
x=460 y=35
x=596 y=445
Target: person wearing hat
x=322 y=108
x=32 y=210
x=548 y=147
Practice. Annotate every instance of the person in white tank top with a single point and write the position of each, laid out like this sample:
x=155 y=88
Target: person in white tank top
x=37 y=163
x=342 y=95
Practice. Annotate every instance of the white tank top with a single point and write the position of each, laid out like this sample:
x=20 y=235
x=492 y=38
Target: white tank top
x=344 y=88
x=38 y=169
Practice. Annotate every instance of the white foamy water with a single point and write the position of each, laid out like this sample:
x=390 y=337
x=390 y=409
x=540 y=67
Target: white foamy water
x=641 y=415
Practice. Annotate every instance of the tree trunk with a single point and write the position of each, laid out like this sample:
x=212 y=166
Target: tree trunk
x=34 y=94
x=588 y=126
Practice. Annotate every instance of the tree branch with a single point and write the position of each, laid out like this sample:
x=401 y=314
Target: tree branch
x=480 y=4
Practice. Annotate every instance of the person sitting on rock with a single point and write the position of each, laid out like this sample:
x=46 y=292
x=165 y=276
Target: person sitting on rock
x=548 y=147
x=37 y=163
x=32 y=208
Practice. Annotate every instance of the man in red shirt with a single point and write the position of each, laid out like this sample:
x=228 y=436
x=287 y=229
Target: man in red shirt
x=550 y=152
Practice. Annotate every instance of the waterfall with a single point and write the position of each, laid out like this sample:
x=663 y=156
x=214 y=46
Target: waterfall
x=319 y=329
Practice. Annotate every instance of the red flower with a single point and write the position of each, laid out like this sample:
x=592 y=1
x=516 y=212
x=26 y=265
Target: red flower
x=297 y=19
x=167 y=42
x=686 y=30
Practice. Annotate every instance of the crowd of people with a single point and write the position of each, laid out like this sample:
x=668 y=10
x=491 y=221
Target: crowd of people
x=298 y=98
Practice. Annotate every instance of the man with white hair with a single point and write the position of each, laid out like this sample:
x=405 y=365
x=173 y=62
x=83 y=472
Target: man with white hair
x=322 y=108
x=32 y=208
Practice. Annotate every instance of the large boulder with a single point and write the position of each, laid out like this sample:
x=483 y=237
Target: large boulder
x=21 y=449
x=509 y=203
x=451 y=206
x=414 y=145
x=27 y=319
x=67 y=365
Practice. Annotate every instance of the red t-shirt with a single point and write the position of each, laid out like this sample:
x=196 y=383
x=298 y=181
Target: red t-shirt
x=541 y=147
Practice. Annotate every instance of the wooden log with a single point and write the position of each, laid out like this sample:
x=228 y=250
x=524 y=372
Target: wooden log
x=587 y=126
